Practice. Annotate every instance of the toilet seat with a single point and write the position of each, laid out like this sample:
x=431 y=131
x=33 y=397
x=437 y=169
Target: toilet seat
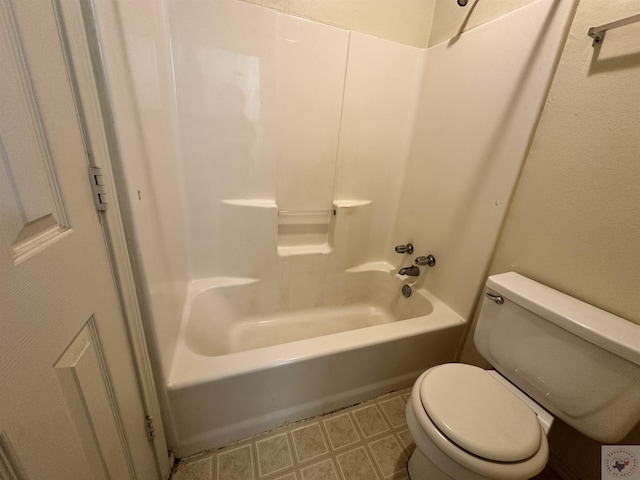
x=477 y=413
x=455 y=460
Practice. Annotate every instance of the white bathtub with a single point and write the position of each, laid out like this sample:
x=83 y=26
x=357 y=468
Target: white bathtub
x=253 y=355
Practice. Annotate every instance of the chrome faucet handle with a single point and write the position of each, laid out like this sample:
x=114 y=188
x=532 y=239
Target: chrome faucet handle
x=428 y=260
x=408 y=248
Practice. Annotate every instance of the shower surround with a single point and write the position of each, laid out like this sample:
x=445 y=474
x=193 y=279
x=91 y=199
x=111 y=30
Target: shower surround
x=271 y=163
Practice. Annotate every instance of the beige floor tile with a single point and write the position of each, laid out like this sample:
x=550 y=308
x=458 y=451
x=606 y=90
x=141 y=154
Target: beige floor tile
x=308 y=442
x=196 y=470
x=406 y=438
x=389 y=456
x=356 y=465
x=393 y=409
x=366 y=442
x=341 y=431
x=324 y=470
x=236 y=464
x=397 y=393
x=288 y=476
x=274 y=454
x=370 y=421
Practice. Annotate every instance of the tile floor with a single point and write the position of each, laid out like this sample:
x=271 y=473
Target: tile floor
x=368 y=441
x=365 y=442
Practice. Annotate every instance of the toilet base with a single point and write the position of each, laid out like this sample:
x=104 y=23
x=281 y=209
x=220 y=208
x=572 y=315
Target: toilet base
x=421 y=468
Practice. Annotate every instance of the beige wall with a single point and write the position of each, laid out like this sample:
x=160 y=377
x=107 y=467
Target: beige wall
x=402 y=21
x=450 y=20
x=575 y=219
x=574 y=223
x=418 y=23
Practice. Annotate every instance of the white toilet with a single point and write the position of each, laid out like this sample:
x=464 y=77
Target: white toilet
x=576 y=361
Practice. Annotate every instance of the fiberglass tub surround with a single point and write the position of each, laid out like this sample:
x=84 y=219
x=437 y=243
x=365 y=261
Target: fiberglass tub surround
x=280 y=161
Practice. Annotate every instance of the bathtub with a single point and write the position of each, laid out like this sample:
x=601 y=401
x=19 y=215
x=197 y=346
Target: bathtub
x=253 y=355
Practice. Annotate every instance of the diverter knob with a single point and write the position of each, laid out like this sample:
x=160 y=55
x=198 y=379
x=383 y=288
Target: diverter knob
x=408 y=248
x=428 y=260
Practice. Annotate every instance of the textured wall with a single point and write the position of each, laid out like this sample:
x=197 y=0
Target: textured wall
x=450 y=20
x=402 y=21
x=418 y=23
x=575 y=219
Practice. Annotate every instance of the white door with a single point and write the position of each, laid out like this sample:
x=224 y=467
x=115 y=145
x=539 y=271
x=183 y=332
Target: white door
x=70 y=407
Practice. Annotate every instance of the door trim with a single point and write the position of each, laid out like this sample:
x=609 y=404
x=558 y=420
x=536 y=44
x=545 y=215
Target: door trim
x=77 y=30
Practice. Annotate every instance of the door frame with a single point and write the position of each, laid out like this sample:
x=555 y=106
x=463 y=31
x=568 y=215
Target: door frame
x=78 y=33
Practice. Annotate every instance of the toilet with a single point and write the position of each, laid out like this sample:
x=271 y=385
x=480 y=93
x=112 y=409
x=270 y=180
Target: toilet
x=553 y=357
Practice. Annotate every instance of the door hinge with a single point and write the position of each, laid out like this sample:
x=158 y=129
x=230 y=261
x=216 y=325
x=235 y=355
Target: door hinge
x=98 y=188
x=151 y=429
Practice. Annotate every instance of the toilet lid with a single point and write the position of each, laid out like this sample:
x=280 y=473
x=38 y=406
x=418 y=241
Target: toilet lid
x=479 y=414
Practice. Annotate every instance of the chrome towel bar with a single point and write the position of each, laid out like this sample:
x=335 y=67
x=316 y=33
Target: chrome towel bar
x=597 y=33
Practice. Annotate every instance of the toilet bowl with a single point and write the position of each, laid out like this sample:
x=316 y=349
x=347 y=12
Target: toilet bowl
x=475 y=424
x=468 y=404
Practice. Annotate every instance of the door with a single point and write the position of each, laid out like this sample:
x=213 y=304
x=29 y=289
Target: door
x=70 y=406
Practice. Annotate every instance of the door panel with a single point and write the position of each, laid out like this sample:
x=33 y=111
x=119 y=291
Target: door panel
x=70 y=406
x=86 y=386
x=32 y=211
x=10 y=467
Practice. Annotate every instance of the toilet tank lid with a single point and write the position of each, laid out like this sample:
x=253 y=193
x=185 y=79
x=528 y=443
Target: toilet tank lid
x=610 y=332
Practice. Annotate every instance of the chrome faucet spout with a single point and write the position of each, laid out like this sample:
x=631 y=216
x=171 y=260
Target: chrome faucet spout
x=412 y=271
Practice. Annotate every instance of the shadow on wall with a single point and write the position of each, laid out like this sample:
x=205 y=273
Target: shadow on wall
x=602 y=62
x=463 y=25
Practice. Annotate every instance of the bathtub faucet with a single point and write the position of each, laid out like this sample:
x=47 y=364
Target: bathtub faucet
x=412 y=271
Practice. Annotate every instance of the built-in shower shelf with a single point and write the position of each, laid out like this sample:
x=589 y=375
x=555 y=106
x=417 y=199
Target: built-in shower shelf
x=252 y=202
x=291 y=250
x=319 y=232
x=304 y=232
x=306 y=213
x=350 y=204
x=255 y=228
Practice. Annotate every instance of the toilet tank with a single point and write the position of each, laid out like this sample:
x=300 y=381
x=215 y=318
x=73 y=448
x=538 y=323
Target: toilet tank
x=579 y=362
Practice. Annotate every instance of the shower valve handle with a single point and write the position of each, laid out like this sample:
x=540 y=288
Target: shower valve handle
x=408 y=248
x=428 y=260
